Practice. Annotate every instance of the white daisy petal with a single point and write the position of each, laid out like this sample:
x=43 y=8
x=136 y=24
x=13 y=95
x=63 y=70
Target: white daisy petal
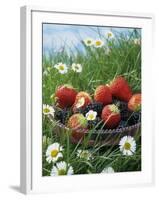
x=62 y=68
x=61 y=168
x=84 y=154
x=98 y=43
x=59 y=155
x=61 y=148
x=55 y=145
x=54 y=152
x=62 y=165
x=54 y=171
x=108 y=170
x=88 y=41
x=127 y=145
x=109 y=35
x=48 y=110
x=76 y=67
x=70 y=171
x=91 y=115
x=48 y=159
x=122 y=141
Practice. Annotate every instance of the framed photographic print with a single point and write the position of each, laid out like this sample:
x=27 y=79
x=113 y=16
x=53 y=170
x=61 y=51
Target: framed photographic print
x=86 y=120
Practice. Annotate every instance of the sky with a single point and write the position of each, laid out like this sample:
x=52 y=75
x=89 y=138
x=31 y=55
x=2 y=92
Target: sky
x=56 y=36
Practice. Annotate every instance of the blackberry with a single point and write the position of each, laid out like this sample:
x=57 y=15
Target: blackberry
x=123 y=107
x=79 y=110
x=62 y=115
x=134 y=118
x=97 y=123
x=95 y=106
x=122 y=124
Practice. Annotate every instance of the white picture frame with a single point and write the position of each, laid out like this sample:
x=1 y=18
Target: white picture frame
x=31 y=103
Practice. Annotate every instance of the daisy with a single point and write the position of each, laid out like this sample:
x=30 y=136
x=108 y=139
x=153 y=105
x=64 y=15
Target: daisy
x=108 y=170
x=61 y=168
x=110 y=35
x=53 y=152
x=88 y=42
x=84 y=154
x=127 y=145
x=137 y=41
x=62 y=68
x=91 y=115
x=76 y=67
x=98 y=43
x=48 y=110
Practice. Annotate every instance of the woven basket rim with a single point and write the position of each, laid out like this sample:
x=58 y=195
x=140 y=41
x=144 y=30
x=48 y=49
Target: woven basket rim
x=104 y=131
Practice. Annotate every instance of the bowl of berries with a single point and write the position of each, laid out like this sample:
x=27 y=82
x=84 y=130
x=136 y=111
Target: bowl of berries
x=112 y=112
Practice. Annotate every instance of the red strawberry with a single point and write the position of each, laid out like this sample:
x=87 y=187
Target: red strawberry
x=82 y=100
x=111 y=116
x=134 y=103
x=103 y=95
x=65 y=96
x=78 y=124
x=120 y=89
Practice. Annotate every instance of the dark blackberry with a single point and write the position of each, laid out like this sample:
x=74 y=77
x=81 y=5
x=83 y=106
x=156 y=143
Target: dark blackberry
x=123 y=107
x=79 y=110
x=134 y=118
x=62 y=115
x=122 y=124
x=95 y=106
x=97 y=123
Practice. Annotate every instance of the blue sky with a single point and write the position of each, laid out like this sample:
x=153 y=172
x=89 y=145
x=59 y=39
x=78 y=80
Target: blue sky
x=56 y=36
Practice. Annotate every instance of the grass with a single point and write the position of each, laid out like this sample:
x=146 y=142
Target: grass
x=99 y=67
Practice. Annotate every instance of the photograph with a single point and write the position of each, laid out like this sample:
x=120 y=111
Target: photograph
x=91 y=99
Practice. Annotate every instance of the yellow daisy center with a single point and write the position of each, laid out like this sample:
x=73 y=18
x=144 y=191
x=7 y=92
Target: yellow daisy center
x=84 y=154
x=89 y=41
x=61 y=172
x=91 y=116
x=109 y=34
x=127 y=145
x=46 y=110
x=76 y=67
x=61 y=67
x=54 y=153
x=98 y=43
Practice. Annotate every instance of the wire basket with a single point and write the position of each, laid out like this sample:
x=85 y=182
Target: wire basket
x=102 y=136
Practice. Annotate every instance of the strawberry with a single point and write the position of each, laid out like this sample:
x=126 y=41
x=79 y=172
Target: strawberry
x=81 y=101
x=65 y=96
x=134 y=103
x=111 y=116
x=78 y=123
x=120 y=89
x=103 y=95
